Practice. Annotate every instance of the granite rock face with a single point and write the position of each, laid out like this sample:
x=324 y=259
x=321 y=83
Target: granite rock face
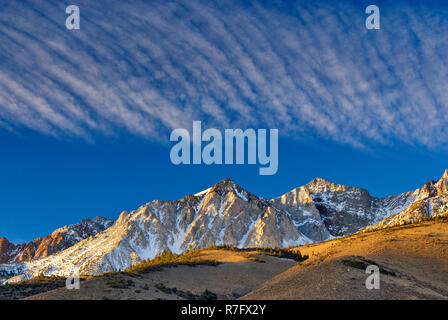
x=59 y=240
x=345 y=209
x=431 y=202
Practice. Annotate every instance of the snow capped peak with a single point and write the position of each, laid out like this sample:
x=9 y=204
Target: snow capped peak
x=221 y=187
x=444 y=178
x=227 y=185
x=202 y=192
x=318 y=185
x=433 y=188
x=445 y=175
x=442 y=184
x=123 y=216
x=224 y=184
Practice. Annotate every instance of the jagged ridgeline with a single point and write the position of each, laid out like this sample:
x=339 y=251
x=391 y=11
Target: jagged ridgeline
x=59 y=240
x=226 y=214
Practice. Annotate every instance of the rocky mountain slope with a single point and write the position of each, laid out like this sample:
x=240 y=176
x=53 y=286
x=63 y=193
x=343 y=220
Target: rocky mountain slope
x=431 y=201
x=228 y=214
x=59 y=240
x=225 y=214
x=343 y=209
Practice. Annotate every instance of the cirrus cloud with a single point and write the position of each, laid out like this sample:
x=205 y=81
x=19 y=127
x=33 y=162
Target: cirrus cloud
x=148 y=67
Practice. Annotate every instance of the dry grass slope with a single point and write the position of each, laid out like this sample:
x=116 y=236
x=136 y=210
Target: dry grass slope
x=203 y=274
x=413 y=261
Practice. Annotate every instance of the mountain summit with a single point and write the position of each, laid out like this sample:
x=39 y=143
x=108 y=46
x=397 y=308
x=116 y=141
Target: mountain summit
x=442 y=184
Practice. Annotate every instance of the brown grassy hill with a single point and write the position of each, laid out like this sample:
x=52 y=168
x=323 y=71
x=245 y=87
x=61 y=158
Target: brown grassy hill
x=214 y=274
x=413 y=260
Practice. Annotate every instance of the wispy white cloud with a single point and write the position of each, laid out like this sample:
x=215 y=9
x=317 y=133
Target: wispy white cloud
x=148 y=67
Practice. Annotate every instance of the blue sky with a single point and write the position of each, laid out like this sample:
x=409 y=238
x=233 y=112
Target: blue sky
x=85 y=115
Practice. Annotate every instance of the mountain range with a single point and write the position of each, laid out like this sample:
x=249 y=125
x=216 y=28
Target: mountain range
x=59 y=240
x=222 y=214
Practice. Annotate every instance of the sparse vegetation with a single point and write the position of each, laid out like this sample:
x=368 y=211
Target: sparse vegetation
x=441 y=218
x=287 y=253
x=252 y=257
x=206 y=295
x=145 y=287
x=41 y=276
x=119 y=283
x=29 y=288
x=191 y=257
x=362 y=263
x=167 y=258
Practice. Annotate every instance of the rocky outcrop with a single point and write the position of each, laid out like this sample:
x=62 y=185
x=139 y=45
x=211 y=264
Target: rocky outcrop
x=301 y=208
x=432 y=201
x=59 y=240
x=8 y=250
x=345 y=209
